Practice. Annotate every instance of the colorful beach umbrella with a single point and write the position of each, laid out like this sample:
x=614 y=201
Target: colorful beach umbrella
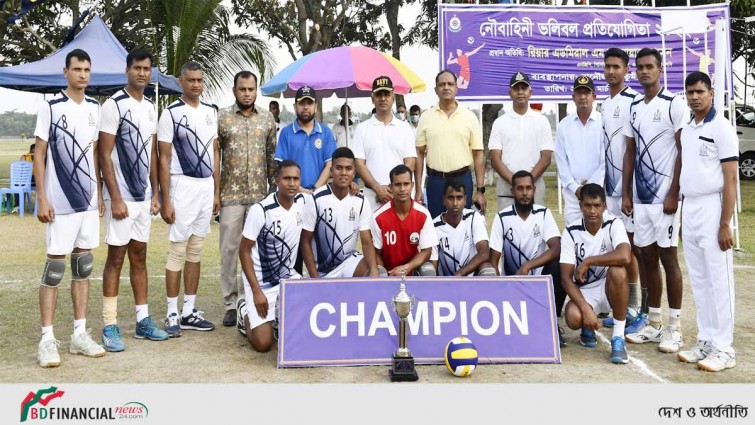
x=347 y=71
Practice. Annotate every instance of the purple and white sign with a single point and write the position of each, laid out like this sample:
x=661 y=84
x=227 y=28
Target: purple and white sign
x=486 y=45
x=339 y=322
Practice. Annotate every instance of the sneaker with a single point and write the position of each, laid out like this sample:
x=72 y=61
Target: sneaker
x=230 y=318
x=149 y=330
x=646 y=334
x=717 y=361
x=111 y=338
x=561 y=339
x=47 y=353
x=618 y=351
x=587 y=338
x=195 y=321
x=83 y=343
x=608 y=322
x=671 y=340
x=638 y=322
x=240 y=309
x=631 y=317
x=700 y=351
x=173 y=325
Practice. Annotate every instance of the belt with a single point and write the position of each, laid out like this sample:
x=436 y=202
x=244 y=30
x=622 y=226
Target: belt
x=455 y=173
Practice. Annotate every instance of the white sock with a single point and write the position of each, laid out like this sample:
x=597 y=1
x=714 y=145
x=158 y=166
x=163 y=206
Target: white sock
x=172 y=305
x=188 y=305
x=654 y=316
x=142 y=312
x=675 y=317
x=47 y=333
x=79 y=326
x=618 y=327
x=635 y=295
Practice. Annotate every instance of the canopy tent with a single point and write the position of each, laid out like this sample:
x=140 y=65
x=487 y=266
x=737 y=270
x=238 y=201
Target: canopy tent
x=108 y=67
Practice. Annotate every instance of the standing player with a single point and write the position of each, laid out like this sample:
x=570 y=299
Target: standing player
x=190 y=184
x=66 y=170
x=334 y=220
x=462 y=235
x=403 y=230
x=655 y=121
x=594 y=254
x=129 y=168
x=708 y=183
x=268 y=252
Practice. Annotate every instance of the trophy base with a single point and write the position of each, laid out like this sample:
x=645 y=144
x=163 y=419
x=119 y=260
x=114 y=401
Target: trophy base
x=403 y=370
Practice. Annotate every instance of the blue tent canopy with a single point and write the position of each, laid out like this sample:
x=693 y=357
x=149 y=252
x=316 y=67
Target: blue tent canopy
x=108 y=67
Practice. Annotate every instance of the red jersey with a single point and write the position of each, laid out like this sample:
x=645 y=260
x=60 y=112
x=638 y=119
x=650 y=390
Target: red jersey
x=400 y=240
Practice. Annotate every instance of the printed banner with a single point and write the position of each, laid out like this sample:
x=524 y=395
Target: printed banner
x=486 y=45
x=339 y=322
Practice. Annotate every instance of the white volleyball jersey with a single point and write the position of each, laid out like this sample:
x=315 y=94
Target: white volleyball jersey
x=577 y=244
x=70 y=129
x=457 y=245
x=653 y=127
x=519 y=240
x=192 y=132
x=133 y=123
x=276 y=232
x=336 y=224
x=614 y=113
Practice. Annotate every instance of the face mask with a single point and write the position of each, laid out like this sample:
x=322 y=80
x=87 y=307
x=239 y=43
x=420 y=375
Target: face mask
x=415 y=119
x=401 y=116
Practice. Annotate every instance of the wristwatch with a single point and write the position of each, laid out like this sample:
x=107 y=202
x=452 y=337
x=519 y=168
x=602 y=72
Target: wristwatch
x=481 y=189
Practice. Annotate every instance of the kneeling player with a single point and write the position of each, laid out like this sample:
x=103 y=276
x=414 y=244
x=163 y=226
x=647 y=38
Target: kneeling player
x=599 y=249
x=463 y=249
x=267 y=253
x=337 y=218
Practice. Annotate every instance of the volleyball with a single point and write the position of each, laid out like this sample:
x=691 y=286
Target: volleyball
x=461 y=356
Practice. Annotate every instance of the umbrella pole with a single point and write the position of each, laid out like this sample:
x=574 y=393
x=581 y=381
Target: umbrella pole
x=348 y=108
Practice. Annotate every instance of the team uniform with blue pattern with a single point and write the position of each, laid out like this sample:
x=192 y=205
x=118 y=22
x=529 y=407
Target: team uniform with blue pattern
x=519 y=240
x=457 y=245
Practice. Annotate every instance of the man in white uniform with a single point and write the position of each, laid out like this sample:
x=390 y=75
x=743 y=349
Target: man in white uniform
x=708 y=183
x=190 y=185
x=66 y=170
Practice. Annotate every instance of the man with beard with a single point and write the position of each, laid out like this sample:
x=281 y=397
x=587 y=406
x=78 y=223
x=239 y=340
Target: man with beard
x=527 y=237
x=246 y=139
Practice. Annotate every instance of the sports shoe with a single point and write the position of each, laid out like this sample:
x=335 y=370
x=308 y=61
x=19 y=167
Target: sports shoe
x=587 y=338
x=83 y=343
x=631 y=316
x=173 y=325
x=637 y=322
x=111 y=338
x=47 y=353
x=608 y=322
x=561 y=339
x=671 y=340
x=240 y=309
x=147 y=329
x=717 y=361
x=230 y=318
x=646 y=334
x=618 y=351
x=195 y=321
x=700 y=351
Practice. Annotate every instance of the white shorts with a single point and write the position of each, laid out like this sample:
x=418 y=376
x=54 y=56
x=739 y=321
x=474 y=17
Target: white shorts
x=614 y=208
x=192 y=200
x=346 y=269
x=69 y=231
x=272 y=302
x=651 y=226
x=595 y=295
x=136 y=226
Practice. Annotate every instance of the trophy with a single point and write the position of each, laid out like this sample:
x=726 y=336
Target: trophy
x=403 y=362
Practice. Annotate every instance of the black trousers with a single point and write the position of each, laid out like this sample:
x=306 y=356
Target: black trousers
x=559 y=294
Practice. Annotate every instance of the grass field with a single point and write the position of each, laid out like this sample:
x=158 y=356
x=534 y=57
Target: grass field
x=223 y=356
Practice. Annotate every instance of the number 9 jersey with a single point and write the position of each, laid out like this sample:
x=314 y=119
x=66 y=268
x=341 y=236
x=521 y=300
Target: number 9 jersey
x=577 y=244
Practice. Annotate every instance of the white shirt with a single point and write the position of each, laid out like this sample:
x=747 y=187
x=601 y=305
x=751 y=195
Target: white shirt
x=384 y=146
x=457 y=245
x=577 y=244
x=70 y=129
x=133 y=123
x=705 y=146
x=614 y=113
x=336 y=224
x=520 y=240
x=339 y=132
x=276 y=232
x=191 y=131
x=579 y=151
x=521 y=139
x=653 y=126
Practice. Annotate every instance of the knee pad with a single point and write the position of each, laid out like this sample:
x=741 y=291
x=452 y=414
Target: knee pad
x=427 y=269
x=382 y=272
x=487 y=272
x=176 y=256
x=55 y=268
x=194 y=248
x=81 y=265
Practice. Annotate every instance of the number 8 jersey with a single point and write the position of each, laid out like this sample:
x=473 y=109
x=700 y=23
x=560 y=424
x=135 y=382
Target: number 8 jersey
x=577 y=244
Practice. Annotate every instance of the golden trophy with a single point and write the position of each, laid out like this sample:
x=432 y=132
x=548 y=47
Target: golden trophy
x=403 y=363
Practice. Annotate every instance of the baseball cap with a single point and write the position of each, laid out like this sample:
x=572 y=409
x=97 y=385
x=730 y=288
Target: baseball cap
x=382 y=83
x=584 y=81
x=519 y=77
x=305 y=92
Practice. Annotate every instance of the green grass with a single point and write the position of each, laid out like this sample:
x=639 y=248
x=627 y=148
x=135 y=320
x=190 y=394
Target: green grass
x=10 y=151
